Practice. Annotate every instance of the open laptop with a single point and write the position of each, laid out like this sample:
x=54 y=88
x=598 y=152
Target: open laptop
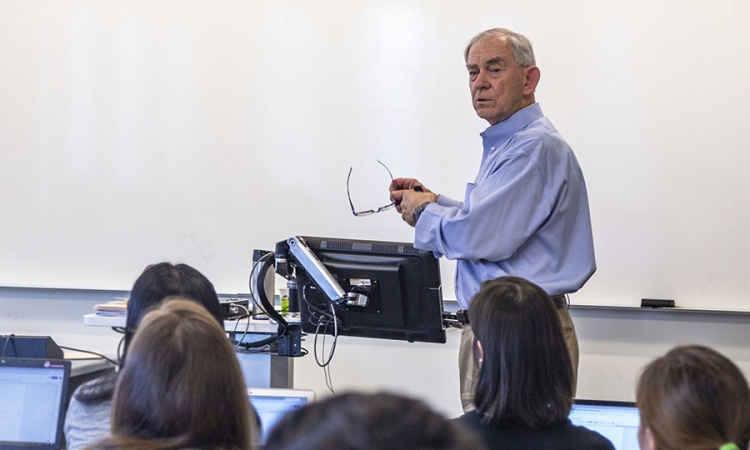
x=32 y=403
x=617 y=421
x=272 y=403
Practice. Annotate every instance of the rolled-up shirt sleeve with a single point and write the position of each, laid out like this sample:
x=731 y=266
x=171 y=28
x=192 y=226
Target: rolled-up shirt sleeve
x=495 y=219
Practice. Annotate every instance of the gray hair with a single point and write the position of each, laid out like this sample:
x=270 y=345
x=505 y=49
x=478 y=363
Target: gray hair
x=520 y=45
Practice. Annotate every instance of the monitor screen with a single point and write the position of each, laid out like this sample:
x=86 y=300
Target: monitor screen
x=617 y=421
x=400 y=289
x=272 y=404
x=32 y=399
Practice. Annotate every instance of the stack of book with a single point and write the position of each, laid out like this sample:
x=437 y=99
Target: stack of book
x=115 y=308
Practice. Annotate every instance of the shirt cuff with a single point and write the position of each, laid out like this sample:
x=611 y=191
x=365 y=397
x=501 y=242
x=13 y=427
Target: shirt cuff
x=444 y=200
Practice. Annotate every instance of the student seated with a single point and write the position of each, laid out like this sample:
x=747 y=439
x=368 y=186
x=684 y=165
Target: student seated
x=88 y=415
x=524 y=388
x=693 y=398
x=359 y=421
x=182 y=387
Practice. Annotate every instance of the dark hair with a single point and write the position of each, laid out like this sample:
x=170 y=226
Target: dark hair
x=163 y=280
x=360 y=421
x=693 y=398
x=526 y=377
x=157 y=282
x=182 y=387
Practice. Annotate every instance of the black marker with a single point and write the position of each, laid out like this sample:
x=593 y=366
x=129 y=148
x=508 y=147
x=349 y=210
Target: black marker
x=656 y=303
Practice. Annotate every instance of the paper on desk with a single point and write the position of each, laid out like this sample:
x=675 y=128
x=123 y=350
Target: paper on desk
x=114 y=308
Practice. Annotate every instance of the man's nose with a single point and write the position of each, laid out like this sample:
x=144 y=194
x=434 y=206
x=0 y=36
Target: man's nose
x=481 y=81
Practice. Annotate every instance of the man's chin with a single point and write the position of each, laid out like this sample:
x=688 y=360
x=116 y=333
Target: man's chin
x=483 y=105
x=483 y=112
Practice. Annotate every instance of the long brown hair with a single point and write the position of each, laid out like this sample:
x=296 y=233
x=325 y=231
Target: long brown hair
x=693 y=398
x=526 y=377
x=182 y=386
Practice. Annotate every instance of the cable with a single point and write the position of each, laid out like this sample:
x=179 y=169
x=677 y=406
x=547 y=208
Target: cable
x=250 y=281
x=259 y=343
x=264 y=349
x=248 y=345
x=326 y=364
x=247 y=325
x=315 y=314
x=7 y=340
x=92 y=353
x=335 y=332
x=264 y=305
x=327 y=369
x=321 y=318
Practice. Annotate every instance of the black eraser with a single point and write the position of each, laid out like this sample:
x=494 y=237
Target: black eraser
x=656 y=303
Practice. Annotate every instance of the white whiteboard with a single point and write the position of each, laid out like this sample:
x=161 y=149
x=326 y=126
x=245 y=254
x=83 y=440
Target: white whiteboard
x=194 y=131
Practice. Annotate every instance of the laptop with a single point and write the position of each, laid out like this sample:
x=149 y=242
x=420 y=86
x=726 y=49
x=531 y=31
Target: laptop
x=271 y=404
x=616 y=421
x=32 y=403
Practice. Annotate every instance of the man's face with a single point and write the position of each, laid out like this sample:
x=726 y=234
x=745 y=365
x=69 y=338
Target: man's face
x=499 y=86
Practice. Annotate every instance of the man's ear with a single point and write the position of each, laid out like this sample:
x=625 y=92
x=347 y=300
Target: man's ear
x=533 y=74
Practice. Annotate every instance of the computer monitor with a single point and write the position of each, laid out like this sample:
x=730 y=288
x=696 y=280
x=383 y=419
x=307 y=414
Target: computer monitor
x=401 y=284
x=32 y=403
x=617 y=421
x=271 y=404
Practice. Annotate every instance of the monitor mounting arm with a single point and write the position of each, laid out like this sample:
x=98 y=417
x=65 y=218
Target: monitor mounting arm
x=304 y=257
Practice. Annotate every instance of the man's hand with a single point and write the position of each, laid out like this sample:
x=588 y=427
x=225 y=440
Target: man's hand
x=407 y=194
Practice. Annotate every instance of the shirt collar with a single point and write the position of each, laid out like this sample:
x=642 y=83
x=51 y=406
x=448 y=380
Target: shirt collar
x=502 y=131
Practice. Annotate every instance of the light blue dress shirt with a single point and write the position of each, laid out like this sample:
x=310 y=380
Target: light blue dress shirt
x=526 y=214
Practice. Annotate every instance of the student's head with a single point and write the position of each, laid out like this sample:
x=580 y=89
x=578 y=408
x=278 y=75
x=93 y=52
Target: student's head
x=162 y=280
x=525 y=374
x=360 y=421
x=182 y=386
x=693 y=398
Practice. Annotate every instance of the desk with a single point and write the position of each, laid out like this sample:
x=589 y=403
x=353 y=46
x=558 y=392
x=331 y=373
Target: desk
x=253 y=325
x=83 y=364
x=261 y=370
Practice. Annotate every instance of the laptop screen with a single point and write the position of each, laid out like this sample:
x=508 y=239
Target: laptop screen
x=271 y=404
x=617 y=421
x=32 y=399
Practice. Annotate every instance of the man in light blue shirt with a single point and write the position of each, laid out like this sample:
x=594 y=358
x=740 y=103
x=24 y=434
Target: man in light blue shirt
x=526 y=214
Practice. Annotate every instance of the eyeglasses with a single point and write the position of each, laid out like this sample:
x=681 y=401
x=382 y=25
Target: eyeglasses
x=369 y=212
